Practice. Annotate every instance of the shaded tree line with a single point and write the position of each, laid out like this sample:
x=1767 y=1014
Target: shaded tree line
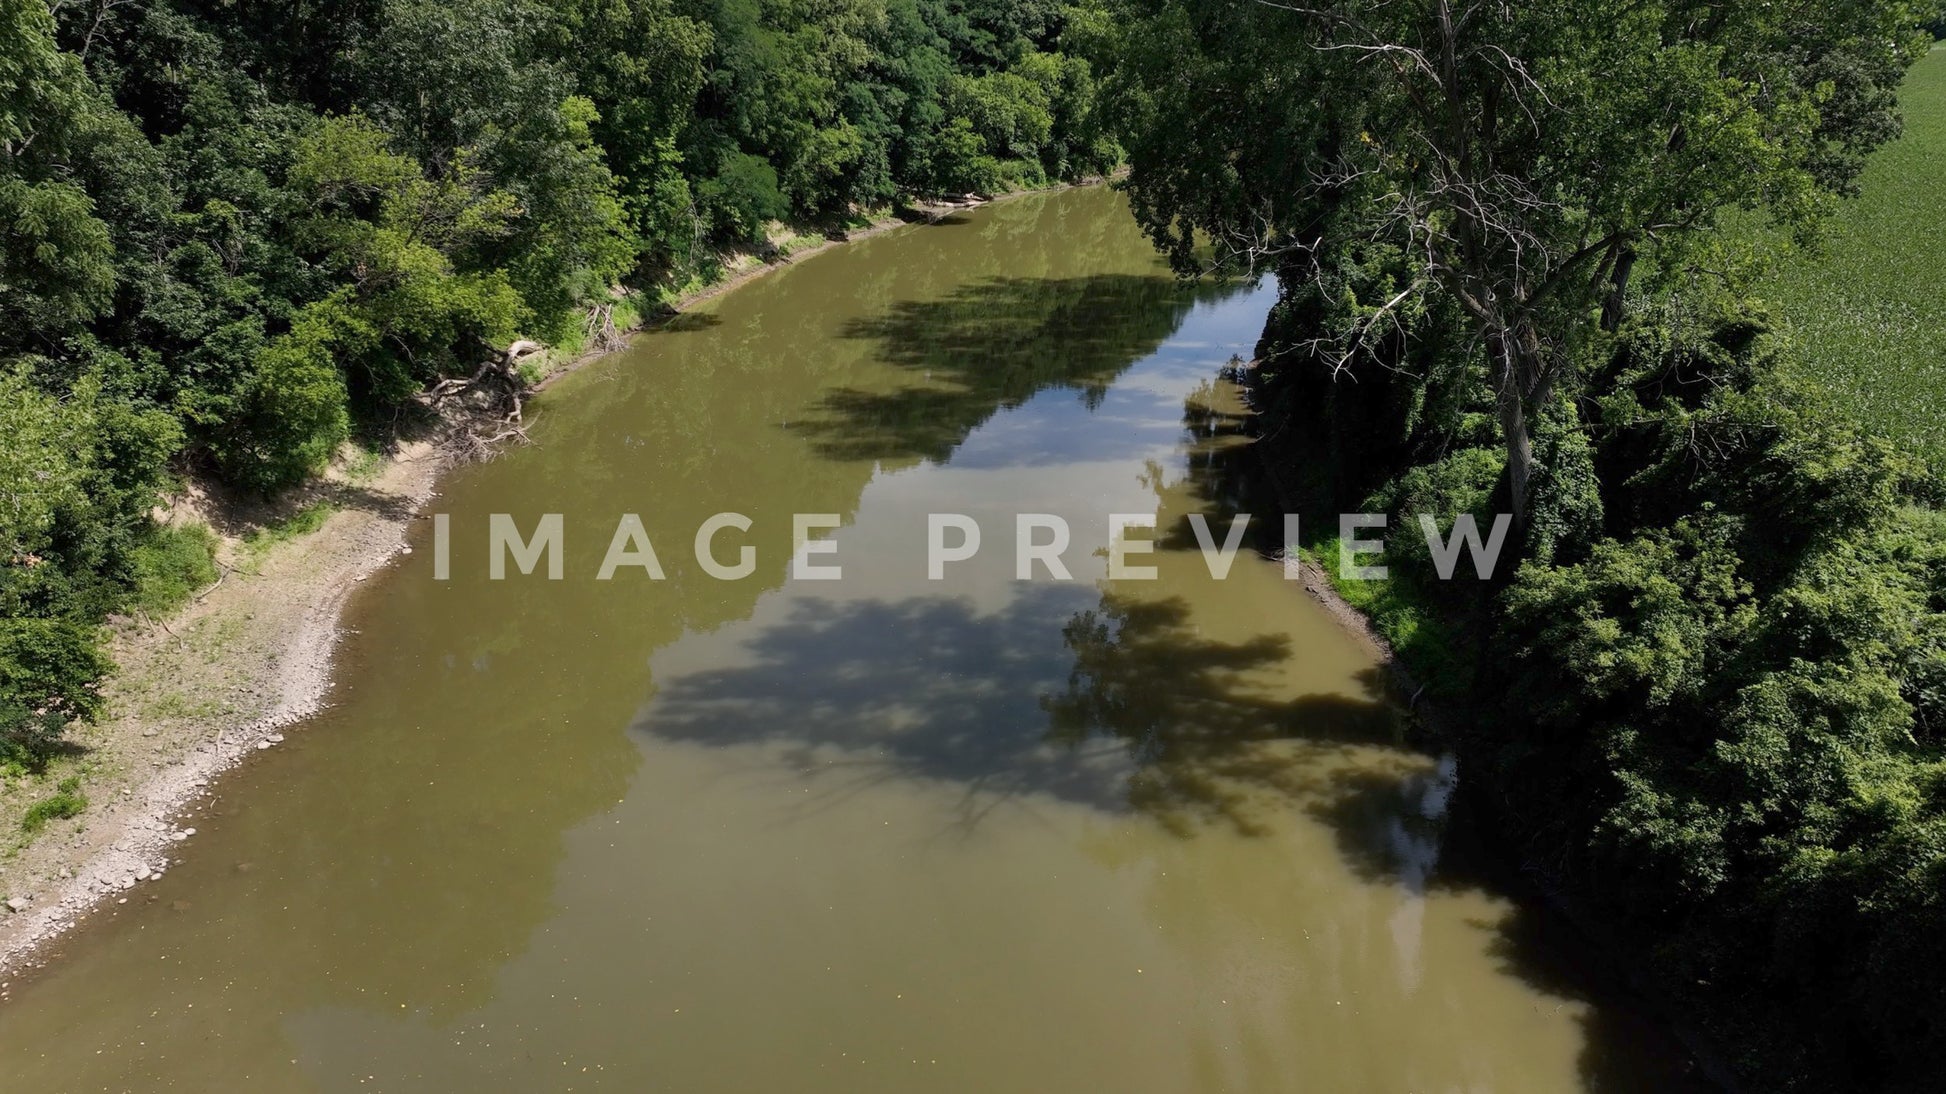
x=1706 y=705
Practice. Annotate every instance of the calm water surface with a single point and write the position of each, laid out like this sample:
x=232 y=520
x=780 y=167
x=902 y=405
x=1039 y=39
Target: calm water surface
x=875 y=834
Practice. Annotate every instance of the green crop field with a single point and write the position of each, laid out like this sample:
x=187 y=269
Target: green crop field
x=1870 y=310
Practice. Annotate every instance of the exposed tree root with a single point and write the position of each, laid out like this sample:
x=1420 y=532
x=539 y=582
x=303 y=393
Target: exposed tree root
x=494 y=398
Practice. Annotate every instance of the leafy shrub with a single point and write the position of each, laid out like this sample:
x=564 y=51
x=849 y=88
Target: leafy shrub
x=1712 y=699
x=1731 y=712
x=959 y=161
x=67 y=801
x=294 y=415
x=50 y=671
x=742 y=197
x=172 y=563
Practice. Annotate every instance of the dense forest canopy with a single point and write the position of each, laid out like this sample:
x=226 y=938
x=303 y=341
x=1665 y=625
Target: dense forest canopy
x=1709 y=704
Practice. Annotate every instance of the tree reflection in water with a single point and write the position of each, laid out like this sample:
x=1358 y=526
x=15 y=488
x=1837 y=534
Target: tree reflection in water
x=1209 y=741
x=992 y=345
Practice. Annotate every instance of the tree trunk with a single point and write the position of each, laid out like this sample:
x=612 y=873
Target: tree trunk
x=1612 y=307
x=1517 y=375
x=1520 y=458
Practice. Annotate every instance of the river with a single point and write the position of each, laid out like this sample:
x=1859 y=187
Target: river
x=871 y=834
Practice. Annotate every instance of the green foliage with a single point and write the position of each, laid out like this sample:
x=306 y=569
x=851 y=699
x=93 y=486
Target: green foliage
x=54 y=251
x=1011 y=113
x=54 y=267
x=172 y=563
x=1770 y=798
x=1565 y=511
x=49 y=674
x=1711 y=699
x=42 y=469
x=742 y=197
x=78 y=477
x=855 y=102
x=293 y=413
x=1715 y=709
x=66 y=801
x=959 y=162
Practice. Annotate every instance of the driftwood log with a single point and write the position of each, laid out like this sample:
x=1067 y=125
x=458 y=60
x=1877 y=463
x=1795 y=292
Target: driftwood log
x=494 y=400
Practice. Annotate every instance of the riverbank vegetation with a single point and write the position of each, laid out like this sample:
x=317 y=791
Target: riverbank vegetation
x=1705 y=711
x=1706 y=708
x=237 y=235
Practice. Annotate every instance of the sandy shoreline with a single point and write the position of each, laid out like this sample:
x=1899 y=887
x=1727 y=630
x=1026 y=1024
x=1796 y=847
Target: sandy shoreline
x=198 y=693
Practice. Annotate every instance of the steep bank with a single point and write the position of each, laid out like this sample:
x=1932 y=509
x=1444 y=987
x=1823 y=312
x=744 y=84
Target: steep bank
x=1707 y=1058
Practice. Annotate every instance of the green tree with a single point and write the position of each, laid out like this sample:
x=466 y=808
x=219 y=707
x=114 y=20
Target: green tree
x=1521 y=158
x=640 y=63
x=50 y=673
x=471 y=89
x=78 y=476
x=55 y=254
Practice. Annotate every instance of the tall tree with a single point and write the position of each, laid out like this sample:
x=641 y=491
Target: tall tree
x=1518 y=160
x=55 y=253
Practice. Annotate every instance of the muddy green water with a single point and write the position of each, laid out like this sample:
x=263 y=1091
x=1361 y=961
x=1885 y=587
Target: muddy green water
x=876 y=834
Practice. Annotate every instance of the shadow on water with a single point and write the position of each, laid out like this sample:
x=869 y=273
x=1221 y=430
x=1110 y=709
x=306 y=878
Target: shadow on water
x=685 y=321
x=1150 y=718
x=1183 y=709
x=990 y=346
x=867 y=691
x=1411 y=826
